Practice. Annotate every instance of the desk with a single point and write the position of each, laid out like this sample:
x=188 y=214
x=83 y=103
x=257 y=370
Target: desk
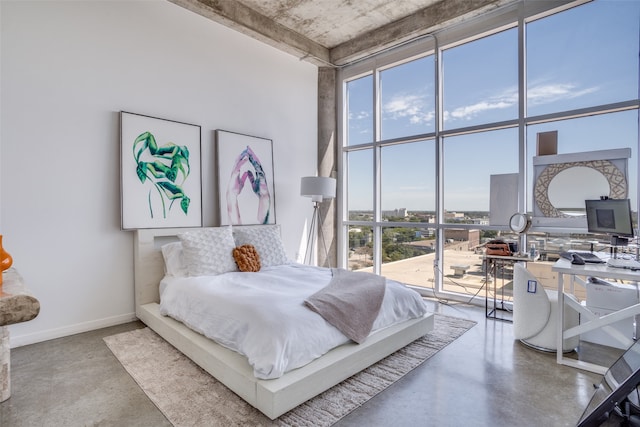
x=576 y=272
x=491 y=264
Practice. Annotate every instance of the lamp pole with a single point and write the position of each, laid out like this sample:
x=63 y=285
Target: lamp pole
x=311 y=239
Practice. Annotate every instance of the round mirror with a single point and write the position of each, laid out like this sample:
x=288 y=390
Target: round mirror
x=567 y=192
x=519 y=223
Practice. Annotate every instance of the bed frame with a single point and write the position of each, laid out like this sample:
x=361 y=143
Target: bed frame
x=271 y=397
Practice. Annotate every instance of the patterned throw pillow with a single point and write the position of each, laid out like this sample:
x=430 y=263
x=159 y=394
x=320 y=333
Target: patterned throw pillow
x=267 y=241
x=208 y=251
x=247 y=258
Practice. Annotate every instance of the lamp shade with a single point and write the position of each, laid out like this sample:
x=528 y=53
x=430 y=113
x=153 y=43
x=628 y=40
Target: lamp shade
x=318 y=187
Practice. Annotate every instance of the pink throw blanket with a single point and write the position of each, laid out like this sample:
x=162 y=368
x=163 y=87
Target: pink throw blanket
x=350 y=302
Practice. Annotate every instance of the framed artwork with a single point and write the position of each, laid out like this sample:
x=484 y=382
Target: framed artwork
x=160 y=173
x=245 y=179
x=588 y=175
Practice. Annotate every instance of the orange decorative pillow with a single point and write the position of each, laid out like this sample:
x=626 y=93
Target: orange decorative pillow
x=247 y=258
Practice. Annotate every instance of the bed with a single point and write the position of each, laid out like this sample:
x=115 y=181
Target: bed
x=273 y=397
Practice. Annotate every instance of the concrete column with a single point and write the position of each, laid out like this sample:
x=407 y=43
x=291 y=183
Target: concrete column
x=327 y=161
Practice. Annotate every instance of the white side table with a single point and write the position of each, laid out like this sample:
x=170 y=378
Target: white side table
x=16 y=305
x=491 y=264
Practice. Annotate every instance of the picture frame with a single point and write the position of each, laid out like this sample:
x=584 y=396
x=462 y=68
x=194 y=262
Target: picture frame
x=246 y=190
x=160 y=173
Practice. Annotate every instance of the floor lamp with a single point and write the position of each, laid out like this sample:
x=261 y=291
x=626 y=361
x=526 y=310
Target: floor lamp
x=318 y=188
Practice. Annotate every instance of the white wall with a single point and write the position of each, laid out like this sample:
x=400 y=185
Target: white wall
x=68 y=68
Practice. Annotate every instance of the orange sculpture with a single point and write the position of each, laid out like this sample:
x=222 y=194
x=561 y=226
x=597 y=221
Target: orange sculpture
x=5 y=259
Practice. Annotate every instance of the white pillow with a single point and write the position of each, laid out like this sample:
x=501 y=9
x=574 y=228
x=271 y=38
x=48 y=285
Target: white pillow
x=174 y=259
x=208 y=251
x=267 y=241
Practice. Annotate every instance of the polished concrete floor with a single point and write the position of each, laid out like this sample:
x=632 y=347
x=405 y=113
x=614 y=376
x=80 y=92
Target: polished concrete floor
x=484 y=378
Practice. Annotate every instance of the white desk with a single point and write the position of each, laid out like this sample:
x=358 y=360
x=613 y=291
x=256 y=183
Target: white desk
x=576 y=272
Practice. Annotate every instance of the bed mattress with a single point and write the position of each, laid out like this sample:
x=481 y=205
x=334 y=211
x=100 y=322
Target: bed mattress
x=263 y=317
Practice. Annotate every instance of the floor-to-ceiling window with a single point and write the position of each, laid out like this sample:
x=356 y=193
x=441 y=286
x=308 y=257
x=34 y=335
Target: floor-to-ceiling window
x=430 y=127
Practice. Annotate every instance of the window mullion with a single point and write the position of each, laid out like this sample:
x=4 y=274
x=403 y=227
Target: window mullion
x=439 y=117
x=377 y=215
x=522 y=128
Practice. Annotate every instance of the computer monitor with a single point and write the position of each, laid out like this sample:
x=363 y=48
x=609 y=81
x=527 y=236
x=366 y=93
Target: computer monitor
x=610 y=216
x=617 y=383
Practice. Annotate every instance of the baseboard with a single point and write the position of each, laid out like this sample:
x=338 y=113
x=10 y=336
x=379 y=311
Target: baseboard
x=50 y=334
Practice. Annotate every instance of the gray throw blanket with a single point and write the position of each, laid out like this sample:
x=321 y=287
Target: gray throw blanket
x=350 y=302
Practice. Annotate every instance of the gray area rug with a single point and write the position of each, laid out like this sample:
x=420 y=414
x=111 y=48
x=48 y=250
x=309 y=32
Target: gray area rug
x=188 y=396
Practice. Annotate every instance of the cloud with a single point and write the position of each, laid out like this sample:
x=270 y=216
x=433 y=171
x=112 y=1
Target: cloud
x=506 y=99
x=537 y=94
x=359 y=115
x=547 y=93
x=469 y=111
x=424 y=118
x=412 y=106
x=415 y=108
x=404 y=105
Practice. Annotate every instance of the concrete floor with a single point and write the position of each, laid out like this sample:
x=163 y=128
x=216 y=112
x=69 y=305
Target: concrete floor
x=484 y=378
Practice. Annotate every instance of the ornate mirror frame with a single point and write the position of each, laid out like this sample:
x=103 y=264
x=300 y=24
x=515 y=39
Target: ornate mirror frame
x=612 y=164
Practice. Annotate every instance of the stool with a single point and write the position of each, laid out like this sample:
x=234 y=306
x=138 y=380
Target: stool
x=16 y=305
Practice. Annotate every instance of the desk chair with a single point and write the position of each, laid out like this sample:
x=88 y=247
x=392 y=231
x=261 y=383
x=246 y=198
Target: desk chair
x=535 y=313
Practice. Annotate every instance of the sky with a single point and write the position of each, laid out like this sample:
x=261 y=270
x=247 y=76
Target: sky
x=579 y=58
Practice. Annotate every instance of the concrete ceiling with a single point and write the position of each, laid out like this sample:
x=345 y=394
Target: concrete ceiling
x=333 y=22
x=337 y=32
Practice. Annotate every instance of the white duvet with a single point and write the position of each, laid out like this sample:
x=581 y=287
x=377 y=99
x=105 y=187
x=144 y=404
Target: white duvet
x=262 y=316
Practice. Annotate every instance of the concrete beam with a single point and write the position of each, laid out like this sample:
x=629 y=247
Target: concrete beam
x=425 y=21
x=241 y=18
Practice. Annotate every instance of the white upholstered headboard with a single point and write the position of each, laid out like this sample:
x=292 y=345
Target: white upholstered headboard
x=148 y=263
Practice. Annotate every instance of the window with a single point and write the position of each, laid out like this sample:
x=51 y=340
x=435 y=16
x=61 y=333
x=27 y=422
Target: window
x=490 y=92
x=360 y=247
x=360 y=185
x=408 y=181
x=583 y=57
x=407 y=101
x=469 y=162
x=408 y=244
x=360 y=110
x=591 y=133
x=421 y=142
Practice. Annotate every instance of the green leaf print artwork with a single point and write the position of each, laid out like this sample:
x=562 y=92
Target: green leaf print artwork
x=167 y=172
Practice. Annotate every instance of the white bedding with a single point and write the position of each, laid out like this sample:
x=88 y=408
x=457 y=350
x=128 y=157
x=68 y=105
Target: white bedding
x=262 y=315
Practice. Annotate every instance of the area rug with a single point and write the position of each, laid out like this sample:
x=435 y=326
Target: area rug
x=188 y=396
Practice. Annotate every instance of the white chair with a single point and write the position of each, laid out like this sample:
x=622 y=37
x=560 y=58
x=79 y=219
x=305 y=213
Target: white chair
x=535 y=313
